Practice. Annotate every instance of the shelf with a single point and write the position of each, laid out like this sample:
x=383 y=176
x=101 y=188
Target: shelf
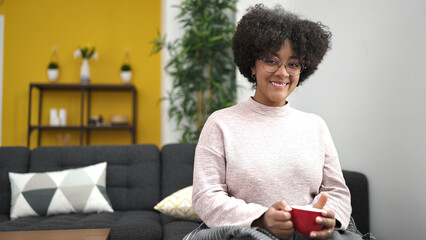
x=85 y=100
x=72 y=86
x=109 y=127
x=54 y=127
x=80 y=127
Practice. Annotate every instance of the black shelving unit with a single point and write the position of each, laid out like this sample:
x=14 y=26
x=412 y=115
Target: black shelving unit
x=84 y=127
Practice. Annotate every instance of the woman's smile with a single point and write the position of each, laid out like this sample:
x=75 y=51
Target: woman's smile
x=278 y=84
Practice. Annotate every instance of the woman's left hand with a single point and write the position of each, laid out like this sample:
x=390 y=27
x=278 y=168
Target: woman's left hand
x=328 y=220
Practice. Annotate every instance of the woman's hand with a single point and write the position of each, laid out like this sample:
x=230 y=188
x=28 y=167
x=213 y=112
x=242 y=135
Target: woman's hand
x=277 y=220
x=328 y=221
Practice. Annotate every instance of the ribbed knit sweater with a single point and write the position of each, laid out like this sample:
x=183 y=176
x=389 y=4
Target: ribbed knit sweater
x=250 y=156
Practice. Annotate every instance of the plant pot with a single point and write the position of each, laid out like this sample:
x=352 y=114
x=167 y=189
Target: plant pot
x=126 y=76
x=85 y=72
x=53 y=74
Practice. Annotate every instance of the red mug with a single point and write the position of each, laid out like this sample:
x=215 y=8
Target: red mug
x=304 y=219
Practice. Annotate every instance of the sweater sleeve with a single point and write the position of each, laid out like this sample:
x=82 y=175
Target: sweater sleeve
x=211 y=200
x=333 y=183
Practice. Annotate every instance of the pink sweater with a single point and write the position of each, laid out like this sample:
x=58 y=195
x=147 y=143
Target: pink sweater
x=250 y=156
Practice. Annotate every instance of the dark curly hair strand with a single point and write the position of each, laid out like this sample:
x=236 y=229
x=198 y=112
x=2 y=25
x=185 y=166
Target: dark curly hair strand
x=262 y=31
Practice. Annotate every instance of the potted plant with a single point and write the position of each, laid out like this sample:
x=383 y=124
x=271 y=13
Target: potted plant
x=201 y=64
x=52 y=71
x=126 y=73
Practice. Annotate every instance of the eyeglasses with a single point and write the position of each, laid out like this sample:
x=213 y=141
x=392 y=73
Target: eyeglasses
x=271 y=64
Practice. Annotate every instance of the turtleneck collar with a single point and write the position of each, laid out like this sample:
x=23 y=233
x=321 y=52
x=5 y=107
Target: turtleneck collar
x=268 y=110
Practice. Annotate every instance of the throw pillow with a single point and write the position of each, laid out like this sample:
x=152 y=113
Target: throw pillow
x=79 y=190
x=179 y=205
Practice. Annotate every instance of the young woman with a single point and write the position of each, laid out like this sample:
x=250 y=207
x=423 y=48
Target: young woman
x=256 y=159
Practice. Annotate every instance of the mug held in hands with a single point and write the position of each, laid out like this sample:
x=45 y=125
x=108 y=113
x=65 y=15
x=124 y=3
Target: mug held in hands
x=304 y=219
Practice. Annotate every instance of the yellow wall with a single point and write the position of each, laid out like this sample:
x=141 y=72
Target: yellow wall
x=33 y=28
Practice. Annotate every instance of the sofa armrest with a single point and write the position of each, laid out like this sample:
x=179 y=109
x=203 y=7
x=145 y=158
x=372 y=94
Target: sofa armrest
x=358 y=186
x=12 y=159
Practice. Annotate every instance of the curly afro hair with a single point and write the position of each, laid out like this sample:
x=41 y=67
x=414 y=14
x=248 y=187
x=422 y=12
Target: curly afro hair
x=262 y=31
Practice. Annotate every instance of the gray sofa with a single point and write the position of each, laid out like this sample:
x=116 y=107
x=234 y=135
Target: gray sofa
x=138 y=177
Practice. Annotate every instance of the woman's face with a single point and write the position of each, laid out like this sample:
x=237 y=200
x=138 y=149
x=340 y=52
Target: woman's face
x=274 y=88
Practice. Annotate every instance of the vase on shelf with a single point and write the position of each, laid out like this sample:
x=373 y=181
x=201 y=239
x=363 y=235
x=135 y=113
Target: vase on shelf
x=85 y=72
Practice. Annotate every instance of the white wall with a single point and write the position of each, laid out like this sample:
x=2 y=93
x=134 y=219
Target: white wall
x=171 y=28
x=369 y=89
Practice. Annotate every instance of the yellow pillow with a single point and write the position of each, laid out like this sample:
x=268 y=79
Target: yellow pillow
x=179 y=205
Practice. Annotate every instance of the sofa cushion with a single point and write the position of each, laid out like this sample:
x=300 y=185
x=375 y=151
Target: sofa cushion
x=133 y=173
x=176 y=230
x=4 y=217
x=179 y=205
x=80 y=190
x=131 y=225
x=13 y=159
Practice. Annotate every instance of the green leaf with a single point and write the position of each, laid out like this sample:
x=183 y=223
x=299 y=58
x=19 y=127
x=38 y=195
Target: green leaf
x=91 y=52
x=157 y=43
x=215 y=38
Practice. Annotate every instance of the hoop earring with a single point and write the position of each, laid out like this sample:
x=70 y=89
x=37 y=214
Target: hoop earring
x=253 y=76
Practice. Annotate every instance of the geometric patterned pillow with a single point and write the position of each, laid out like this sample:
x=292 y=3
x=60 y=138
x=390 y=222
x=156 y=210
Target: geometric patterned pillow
x=79 y=190
x=179 y=205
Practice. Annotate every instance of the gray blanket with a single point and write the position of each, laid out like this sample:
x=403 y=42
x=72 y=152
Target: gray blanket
x=245 y=233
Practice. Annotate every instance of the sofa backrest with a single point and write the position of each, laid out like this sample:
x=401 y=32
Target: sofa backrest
x=133 y=171
x=12 y=159
x=358 y=185
x=177 y=163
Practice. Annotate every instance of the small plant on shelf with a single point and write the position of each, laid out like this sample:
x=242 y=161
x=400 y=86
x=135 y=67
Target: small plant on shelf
x=126 y=73
x=126 y=67
x=53 y=71
x=53 y=65
x=86 y=52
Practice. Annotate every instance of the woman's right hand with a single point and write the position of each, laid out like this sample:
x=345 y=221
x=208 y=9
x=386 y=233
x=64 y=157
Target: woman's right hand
x=277 y=220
